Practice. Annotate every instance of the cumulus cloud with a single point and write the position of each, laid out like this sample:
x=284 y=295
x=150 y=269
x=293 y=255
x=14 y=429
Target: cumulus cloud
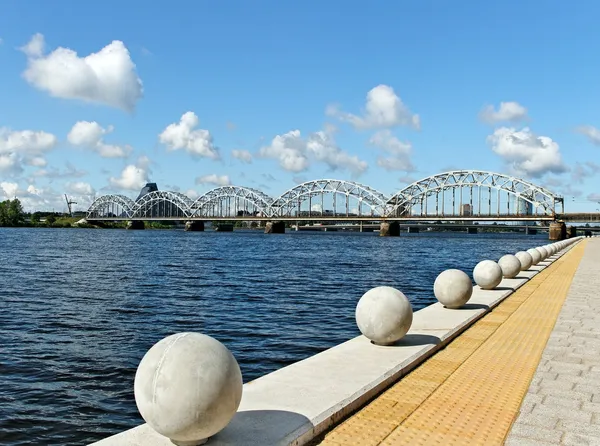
x=133 y=176
x=90 y=135
x=80 y=188
x=216 y=180
x=242 y=155
x=398 y=151
x=527 y=154
x=9 y=190
x=24 y=147
x=383 y=109
x=184 y=135
x=507 y=112
x=592 y=133
x=295 y=153
x=106 y=77
x=192 y=194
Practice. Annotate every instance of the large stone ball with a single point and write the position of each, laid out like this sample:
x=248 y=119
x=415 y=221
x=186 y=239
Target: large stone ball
x=453 y=288
x=543 y=252
x=510 y=266
x=384 y=315
x=487 y=274
x=188 y=387
x=535 y=255
x=525 y=259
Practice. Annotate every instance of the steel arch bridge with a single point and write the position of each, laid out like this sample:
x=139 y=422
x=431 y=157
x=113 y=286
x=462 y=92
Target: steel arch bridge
x=227 y=200
x=460 y=194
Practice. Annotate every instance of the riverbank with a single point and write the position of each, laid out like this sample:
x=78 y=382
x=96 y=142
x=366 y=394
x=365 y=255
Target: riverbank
x=298 y=403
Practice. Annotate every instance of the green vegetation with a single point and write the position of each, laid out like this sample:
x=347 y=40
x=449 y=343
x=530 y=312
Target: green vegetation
x=11 y=213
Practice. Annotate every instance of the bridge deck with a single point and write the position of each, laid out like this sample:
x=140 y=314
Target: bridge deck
x=472 y=391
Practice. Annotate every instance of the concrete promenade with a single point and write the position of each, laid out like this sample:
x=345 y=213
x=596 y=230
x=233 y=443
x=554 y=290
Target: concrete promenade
x=562 y=405
x=503 y=369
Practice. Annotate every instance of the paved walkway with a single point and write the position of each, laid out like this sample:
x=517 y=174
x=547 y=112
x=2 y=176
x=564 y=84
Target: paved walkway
x=471 y=392
x=562 y=405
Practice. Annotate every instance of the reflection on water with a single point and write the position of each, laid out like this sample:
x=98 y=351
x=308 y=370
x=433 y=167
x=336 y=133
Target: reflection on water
x=79 y=308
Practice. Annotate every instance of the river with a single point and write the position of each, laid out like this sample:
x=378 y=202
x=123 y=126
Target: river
x=79 y=308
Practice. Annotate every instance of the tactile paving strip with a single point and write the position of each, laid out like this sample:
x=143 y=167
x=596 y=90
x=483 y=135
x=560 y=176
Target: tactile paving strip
x=470 y=392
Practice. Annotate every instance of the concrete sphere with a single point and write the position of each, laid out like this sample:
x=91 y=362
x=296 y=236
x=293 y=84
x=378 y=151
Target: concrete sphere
x=510 y=266
x=535 y=255
x=384 y=315
x=487 y=274
x=525 y=259
x=453 y=288
x=543 y=252
x=188 y=387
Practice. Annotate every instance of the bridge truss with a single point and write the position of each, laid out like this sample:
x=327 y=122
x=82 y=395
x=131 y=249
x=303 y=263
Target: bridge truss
x=467 y=194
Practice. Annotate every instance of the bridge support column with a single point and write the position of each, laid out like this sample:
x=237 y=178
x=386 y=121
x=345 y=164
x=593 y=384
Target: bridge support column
x=571 y=231
x=194 y=226
x=558 y=230
x=224 y=227
x=413 y=230
x=275 y=227
x=472 y=230
x=530 y=231
x=135 y=224
x=360 y=226
x=391 y=229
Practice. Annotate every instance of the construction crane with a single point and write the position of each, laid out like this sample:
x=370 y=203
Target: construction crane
x=69 y=203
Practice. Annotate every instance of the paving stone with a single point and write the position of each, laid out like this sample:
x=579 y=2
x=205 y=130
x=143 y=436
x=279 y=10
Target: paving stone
x=563 y=402
x=571 y=439
x=537 y=433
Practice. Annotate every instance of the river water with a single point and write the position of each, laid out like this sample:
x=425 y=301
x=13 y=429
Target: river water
x=80 y=308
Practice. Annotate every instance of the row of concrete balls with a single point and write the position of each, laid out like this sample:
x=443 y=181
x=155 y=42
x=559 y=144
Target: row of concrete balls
x=189 y=386
x=384 y=314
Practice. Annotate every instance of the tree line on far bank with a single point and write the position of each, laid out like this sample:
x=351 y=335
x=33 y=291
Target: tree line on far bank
x=12 y=215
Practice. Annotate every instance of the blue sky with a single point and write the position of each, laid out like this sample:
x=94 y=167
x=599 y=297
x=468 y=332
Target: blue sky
x=383 y=93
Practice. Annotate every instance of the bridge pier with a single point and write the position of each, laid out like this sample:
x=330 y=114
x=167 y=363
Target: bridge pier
x=472 y=230
x=571 y=231
x=275 y=227
x=194 y=226
x=413 y=230
x=224 y=227
x=391 y=229
x=530 y=231
x=135 y=224
x=558 y=230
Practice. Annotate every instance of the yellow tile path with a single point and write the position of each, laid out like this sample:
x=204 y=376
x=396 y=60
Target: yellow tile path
x=470 y=392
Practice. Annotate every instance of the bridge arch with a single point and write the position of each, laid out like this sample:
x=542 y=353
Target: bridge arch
x=227 y=200
x=111 y=206
x=290 y=202
x=539 y=199
x=162 y=204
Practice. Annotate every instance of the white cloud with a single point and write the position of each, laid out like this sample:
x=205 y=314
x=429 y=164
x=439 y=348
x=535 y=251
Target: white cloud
x=9 y=189
x=594 y=197
x=527 y=153
x=106 y=77
x=80 y=188
x=592 y=133
x=89 y=134
x=383 y=109
x=217 y=180
x=23 y=147
x=399 y=151
x=53 y=172
x=133 y=176
x=10 y=164
x=37 y=161
x=295 y=153
x=192 y=194
x=507 y=112
x=183 y=135
x=242 y=155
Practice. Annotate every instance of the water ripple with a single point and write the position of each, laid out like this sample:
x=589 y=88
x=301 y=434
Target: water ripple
x=80 y=308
